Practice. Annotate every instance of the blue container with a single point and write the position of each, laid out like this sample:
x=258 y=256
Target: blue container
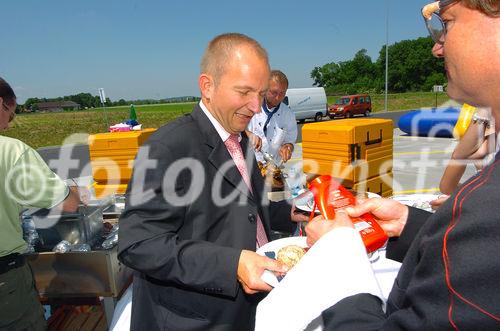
x=435 y=122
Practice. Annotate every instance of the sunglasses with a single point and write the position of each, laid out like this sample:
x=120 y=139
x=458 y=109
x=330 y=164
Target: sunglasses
x=433 y=20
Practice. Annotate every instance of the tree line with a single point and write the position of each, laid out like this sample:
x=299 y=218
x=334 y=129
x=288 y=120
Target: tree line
x=411 y=68
x=87 y=101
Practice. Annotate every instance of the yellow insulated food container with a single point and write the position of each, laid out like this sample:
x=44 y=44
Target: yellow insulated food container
x=349 y=131
x=111 y=154
x=103 y=190
x=382 y=185
x=352 y=150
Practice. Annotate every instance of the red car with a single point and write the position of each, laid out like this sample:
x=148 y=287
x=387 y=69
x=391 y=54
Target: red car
x=350 y=105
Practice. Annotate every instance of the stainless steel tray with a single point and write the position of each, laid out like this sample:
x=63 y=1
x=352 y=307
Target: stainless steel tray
x=79 y=274
x=84 y=226
x=76 y=228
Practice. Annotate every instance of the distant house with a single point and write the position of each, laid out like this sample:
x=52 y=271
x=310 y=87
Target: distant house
x=57 y=106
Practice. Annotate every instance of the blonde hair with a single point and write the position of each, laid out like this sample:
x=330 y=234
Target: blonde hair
x=279 y=77
x=219 y=52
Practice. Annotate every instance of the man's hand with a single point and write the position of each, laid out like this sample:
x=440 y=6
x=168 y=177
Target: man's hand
x=254 y=140
x=319 y=226
x=297 y=216
x=84 y=194
x=436 y=203
x=251 y=266
x=286 y=152
x=70 y=204
x=390 y=214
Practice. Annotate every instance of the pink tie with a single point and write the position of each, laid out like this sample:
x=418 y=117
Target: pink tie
x=234 y=148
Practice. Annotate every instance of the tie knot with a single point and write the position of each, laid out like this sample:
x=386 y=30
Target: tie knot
x=234 y=138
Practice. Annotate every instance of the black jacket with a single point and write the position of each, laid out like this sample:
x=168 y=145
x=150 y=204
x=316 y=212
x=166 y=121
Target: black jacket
x=187 y=255
x=423 y=296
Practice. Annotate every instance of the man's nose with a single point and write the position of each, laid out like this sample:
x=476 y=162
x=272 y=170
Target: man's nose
x=254 y=104
x=438 y=50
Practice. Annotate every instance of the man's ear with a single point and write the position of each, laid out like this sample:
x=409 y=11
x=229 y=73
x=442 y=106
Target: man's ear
x=206 y=85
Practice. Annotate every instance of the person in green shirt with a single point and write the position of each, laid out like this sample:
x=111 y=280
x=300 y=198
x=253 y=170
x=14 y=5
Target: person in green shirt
x=28 y=182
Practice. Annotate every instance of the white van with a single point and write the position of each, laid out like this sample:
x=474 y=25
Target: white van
x=307 y=103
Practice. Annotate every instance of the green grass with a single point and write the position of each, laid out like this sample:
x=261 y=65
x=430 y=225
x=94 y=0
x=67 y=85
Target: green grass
x=403 y=101
x=50 y=129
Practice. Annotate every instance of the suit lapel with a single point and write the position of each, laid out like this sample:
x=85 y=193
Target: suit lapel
x=222 y=160
x=219 y=156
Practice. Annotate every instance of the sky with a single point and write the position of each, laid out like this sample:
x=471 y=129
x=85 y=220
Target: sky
x=139 y=49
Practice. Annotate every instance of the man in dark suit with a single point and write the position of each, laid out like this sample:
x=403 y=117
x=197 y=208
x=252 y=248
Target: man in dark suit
x=195 y=212
x=451 y=263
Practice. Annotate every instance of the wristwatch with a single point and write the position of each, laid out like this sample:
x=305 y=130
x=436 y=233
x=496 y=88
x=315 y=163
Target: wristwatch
x=481 y=120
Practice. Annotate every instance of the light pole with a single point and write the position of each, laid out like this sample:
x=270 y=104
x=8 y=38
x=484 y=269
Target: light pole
x=102 y=96
x=386 y=52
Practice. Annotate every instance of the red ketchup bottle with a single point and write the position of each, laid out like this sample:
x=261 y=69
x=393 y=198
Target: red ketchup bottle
x=329 y=196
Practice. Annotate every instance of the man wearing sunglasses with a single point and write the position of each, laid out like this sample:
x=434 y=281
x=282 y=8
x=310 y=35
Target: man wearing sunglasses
x=26 y=182
x=450 y=261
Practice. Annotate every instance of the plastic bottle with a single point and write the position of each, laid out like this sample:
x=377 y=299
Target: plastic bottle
x=330 y=196
x=112 y=238
x=294 y=182
x=80 y=248
x=30 y=234
x=62 y=247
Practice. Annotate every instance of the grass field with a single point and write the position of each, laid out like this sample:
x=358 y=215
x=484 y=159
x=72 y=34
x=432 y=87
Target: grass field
x=403 y=101
x=50 y=129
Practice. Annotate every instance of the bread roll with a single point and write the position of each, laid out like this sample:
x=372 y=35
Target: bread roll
x=290 y=255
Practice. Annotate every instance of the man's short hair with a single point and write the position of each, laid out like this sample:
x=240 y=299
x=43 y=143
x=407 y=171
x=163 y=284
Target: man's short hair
x=488 y=7
x=6 y=92
x=219 y=51
x=279 y=77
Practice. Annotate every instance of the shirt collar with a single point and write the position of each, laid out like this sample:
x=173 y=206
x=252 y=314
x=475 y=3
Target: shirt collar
x=224 y=135
x=267 y=110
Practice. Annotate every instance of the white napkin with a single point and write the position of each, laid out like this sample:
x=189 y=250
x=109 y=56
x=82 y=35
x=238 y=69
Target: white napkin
x=334 y=268
x=385 y=271
x=123 y=312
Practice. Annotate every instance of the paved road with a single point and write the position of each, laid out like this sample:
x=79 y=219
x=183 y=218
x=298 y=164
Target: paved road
x=70 y=161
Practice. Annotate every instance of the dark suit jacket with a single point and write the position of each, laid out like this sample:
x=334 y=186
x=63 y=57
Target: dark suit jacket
x=420 y=298
x=187 y=254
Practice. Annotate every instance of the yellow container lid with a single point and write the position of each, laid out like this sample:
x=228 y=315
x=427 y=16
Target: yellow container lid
x=348 y=131
x=118 y=140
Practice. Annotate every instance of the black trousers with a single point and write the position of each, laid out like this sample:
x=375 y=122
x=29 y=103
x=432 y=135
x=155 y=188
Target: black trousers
x=19 y=305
